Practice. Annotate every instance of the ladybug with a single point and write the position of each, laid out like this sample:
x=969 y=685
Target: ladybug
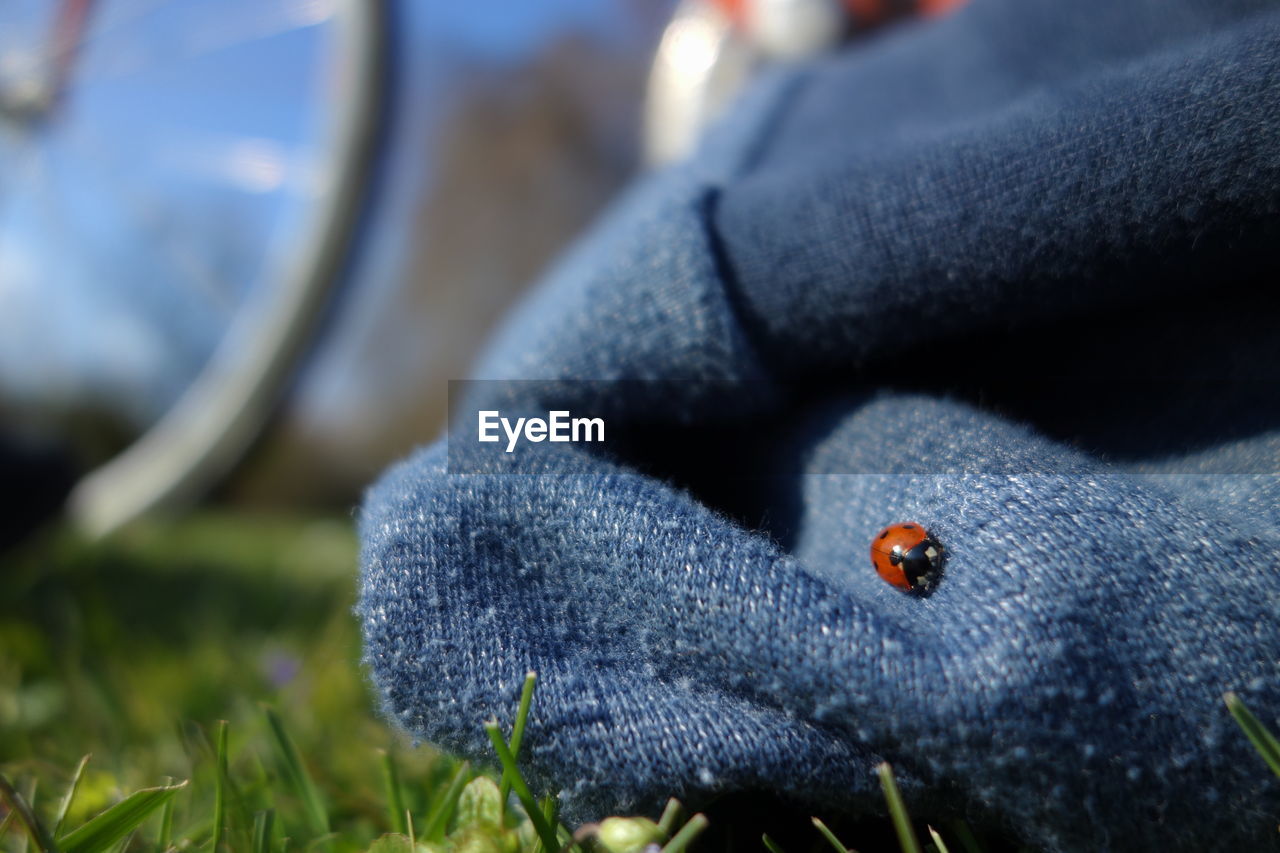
x=906 y=556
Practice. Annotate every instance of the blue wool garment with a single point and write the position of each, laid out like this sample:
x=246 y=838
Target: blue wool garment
x=1010 y=274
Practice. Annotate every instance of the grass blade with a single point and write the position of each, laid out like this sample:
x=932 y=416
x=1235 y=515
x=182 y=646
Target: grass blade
x=118 y=821
x=551 y=809
x=691 y=830
x=937 y=841
x=670 y=817
x=69 y=796
x=29 y=794
x=517 y=729
x=830 y=836
x=897 y=810
x=220 y=787
x=262 y=824
x=510 y=771
x=551 y=814
x=438 y=818
x=395 y=796
x=166 y=823
x=4 y=824
x=770 y=845
x=22 y=807
x=522 y=711
x=1262 y=740
x=962 y=833
x=298 y=778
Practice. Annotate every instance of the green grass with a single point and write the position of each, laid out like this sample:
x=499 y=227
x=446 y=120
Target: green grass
x=211 y=668
x=134 y=650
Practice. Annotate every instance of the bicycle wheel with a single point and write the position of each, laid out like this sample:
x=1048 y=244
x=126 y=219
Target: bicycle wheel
x=180 y=183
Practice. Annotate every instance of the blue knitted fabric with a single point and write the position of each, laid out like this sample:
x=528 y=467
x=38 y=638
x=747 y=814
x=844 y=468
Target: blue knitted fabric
x=1010 y=274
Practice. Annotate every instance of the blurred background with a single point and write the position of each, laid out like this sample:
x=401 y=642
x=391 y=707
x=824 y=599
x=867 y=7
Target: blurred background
x=282 y=226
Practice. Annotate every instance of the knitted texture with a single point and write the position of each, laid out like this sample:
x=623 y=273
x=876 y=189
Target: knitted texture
x=1009 y=274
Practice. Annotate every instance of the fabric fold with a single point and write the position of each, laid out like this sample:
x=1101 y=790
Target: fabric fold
x=1009 y=275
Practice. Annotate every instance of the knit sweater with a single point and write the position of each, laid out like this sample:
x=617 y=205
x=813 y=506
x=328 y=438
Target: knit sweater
x=1008 y=274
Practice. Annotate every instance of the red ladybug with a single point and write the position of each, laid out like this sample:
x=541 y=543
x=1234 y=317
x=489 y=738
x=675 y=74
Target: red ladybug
x=906 y=556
